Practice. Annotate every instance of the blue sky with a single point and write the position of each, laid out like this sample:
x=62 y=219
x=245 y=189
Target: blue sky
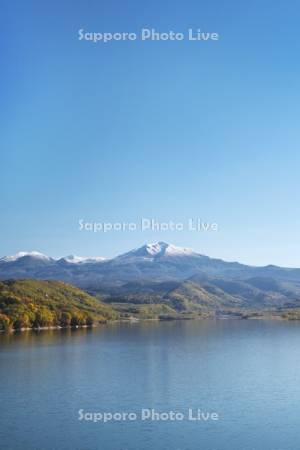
x=167 y=130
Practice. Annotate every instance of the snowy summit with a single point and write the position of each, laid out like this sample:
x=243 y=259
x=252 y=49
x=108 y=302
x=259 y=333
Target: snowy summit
x=158 y=249
x=19 y=255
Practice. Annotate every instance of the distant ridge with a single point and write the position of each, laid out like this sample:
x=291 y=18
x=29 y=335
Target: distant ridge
x=147 y=250
x=162 y=273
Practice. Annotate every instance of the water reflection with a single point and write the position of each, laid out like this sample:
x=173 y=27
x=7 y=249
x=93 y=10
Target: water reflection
x=247 y=371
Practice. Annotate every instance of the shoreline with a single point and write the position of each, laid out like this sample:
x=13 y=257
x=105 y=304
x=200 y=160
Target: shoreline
x=138 y=320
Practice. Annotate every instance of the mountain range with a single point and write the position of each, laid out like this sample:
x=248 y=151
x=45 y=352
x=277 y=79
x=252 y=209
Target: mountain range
x=163 y=274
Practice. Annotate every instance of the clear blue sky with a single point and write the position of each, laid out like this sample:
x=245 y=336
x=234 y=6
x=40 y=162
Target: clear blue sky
x=169 y=130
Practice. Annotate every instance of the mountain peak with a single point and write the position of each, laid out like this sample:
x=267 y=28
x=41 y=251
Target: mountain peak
x=155 y=249
x=73 y=259
x=34 y=254
x=158 y=249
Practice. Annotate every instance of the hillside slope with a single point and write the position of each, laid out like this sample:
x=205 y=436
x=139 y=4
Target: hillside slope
x=34 y=304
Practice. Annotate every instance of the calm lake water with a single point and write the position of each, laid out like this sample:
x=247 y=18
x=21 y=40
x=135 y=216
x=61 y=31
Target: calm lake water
x=248 y=372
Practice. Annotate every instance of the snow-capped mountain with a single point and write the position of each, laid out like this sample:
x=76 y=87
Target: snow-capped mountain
x=161 y=272
x=149 y=251
x=151 y=263
x=156 y=261
x=158 y=249
x=19 y=255
x=72 y=259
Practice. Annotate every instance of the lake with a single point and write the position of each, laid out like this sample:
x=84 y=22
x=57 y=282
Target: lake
x=56 y=386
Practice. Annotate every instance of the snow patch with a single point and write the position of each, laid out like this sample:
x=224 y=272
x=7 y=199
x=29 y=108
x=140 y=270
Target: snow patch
x=74 y=259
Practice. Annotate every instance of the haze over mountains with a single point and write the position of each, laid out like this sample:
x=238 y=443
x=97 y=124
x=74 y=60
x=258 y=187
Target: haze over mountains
x=166 y=274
